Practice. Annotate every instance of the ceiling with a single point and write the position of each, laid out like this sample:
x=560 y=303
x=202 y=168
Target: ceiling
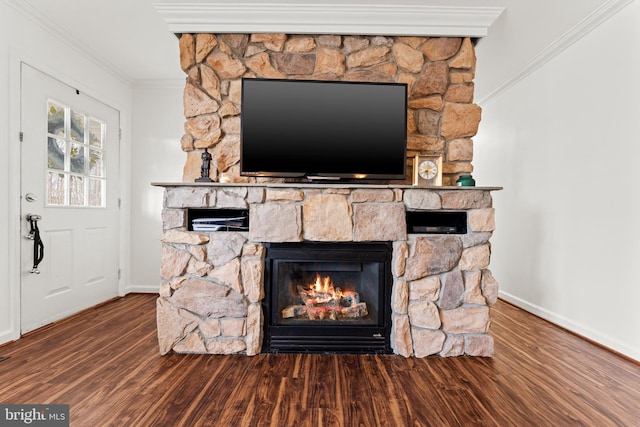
x=114 y=32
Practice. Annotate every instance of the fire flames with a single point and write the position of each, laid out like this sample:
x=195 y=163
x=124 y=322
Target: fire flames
x=322 y=291
x=323 y=300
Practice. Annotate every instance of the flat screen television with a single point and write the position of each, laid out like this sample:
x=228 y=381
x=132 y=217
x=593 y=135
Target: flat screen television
x=323 y=129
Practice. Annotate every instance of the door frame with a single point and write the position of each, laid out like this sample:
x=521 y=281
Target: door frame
x=16 y=59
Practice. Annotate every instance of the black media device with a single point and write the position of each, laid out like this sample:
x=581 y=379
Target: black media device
x=323 y=129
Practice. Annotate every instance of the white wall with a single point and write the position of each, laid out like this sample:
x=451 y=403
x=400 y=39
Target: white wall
x=22 y=39
x=157 y=157
x=563 y=142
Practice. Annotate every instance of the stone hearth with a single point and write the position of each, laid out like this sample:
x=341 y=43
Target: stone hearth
x=212 y=283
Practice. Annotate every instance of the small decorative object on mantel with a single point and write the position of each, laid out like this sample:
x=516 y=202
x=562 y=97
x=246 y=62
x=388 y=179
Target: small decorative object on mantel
x=465 y=181
x=427 y=170
x=204 y=169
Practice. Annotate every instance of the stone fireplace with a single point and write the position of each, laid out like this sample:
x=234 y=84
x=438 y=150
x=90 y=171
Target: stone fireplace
x=213 y=283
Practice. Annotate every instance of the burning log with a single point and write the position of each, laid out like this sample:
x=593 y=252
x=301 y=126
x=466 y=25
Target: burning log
x=323 y=301
x=325 y=313
x=294 y=311
x=333 y=297
x=355 y=311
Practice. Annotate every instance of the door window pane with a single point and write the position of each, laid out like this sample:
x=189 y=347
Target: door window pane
x=55 y=119
x=95 y=163
x=96 y=192
x=77 y=126
x=77 y=158
x=75 y=152
x=96 y=133
x=56 y=189
x=55 y=153
x=76 y=190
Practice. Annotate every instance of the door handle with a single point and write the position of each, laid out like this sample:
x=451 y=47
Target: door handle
x=36 y=218
x=38 y=246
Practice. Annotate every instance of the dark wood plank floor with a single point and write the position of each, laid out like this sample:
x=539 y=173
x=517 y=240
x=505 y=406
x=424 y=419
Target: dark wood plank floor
x=105 y=364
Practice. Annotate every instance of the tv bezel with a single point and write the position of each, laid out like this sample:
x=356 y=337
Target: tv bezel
x=325 y=176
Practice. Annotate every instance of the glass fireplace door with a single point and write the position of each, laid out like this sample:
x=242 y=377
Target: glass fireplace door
x=328 y=293
x=328 y=297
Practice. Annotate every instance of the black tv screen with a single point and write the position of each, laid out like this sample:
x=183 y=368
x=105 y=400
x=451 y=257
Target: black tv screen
x=332 y=129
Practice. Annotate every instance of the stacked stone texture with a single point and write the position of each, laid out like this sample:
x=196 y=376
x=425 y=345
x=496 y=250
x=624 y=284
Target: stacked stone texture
x=439 y=72
x=213 y=283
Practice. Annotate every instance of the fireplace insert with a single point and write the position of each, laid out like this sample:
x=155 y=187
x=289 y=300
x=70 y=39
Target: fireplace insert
x=328 y=297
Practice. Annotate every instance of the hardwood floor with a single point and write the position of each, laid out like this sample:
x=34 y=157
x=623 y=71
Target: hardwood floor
x=105 y=364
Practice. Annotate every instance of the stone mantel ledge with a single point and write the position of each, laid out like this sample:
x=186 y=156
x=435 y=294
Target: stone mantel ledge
x=303 y=185
x=212 y=284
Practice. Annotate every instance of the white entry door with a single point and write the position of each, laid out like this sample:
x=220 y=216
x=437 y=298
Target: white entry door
x=69 y=183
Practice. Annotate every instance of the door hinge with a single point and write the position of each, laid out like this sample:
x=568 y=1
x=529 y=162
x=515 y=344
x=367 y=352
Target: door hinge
x=119 y=274
x=120 y=134
x=21 y=136
x=119 y=203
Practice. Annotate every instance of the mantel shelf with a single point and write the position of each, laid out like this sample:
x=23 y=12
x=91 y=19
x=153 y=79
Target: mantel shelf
x=317 y=185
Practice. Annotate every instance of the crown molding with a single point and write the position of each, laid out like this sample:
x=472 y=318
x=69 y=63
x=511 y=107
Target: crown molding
x=373 y=19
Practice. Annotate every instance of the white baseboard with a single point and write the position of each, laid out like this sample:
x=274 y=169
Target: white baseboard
x=141 y=289
x=8 y=336
x=572 y=326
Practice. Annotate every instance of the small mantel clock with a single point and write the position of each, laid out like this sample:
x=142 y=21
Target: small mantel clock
x=427 y=170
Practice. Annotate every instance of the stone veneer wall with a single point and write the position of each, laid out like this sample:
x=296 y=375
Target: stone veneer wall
x=439 y=72
x=212 y=283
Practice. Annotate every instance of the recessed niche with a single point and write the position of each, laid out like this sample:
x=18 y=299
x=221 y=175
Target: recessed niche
x=211 y=220
x=436 y=222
